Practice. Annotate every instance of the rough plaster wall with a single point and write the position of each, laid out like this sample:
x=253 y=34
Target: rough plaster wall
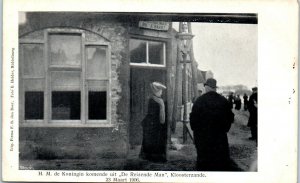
x=110 y=140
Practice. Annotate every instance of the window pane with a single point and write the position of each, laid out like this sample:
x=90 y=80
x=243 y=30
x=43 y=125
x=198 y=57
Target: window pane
x=97 y=105
x=66 y=105
x=34 y=84
x=96 y=62
x=97 y=85
x=156 y=52
x=33 y=60
x=65 y=49
x=137 y=51
x=34 y=105
x=65 y=80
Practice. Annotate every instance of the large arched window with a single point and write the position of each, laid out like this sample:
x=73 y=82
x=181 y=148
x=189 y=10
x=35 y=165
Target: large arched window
x=64 y=78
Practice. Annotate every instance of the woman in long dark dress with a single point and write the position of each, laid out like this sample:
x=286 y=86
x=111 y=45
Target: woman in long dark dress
x=154 y=143
x=238 y=103
x=245 y=97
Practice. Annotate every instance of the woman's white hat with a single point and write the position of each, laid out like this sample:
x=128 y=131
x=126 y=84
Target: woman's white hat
x=157 y=86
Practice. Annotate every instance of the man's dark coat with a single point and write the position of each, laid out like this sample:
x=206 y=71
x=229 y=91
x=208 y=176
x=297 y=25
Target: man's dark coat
x=210 y=120
x=252 y=110
x=252 y=123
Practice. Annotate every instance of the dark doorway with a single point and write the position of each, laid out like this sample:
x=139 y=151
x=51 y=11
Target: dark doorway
x=140 y=79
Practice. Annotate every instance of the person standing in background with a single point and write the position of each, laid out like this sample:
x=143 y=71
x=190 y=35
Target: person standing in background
x=237 y=101
x=230 y=99
x=245 y=97
x=154 y=144
x=252 y=107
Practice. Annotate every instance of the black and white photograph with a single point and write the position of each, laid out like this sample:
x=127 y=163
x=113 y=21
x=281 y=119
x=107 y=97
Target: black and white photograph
x=138 y=91
x=150 y=91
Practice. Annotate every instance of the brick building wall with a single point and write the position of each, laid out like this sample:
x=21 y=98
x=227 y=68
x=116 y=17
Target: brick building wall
x=86 y=142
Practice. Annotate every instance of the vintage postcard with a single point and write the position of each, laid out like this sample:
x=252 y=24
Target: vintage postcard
x=150 y=91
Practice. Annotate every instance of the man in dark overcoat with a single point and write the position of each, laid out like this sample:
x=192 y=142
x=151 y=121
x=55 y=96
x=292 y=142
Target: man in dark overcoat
x=211 y=119
x=230 y=99
x=238 y=103
x=252 y=107
x=245 y=97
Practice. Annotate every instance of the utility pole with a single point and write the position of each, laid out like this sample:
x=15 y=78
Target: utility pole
x=185 y=48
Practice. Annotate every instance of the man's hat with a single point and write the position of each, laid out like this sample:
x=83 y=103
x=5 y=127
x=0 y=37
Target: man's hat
x=211 y=83
x=254 y=89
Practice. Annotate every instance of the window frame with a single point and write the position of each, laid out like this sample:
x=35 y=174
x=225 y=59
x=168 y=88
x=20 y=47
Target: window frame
x=47 y=88
x=107 y=79
x=147 y=64
x=21 y=83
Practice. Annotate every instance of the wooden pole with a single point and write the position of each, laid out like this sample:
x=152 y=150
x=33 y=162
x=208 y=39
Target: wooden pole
x=177 y=84
x=193 y=66
x=184 y=93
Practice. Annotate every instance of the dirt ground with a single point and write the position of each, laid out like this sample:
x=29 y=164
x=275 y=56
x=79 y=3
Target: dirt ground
x=181 y=157
x=242 y=150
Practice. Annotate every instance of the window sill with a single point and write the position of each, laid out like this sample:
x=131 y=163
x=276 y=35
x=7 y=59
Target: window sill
x=148 y=65
x=68 y=125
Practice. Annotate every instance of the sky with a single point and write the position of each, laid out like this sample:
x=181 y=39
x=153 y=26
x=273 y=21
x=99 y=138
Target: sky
x=228 y=50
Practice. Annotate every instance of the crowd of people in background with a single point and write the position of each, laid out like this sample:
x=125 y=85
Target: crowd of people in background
x=236 y=102
x=250 y=104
